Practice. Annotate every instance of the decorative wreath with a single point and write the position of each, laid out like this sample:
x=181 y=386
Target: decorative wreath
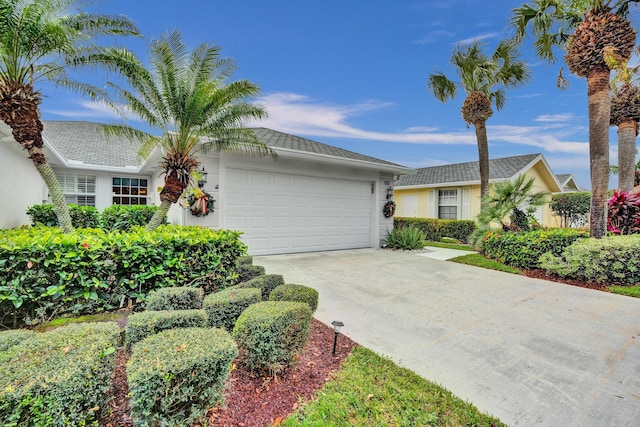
x=389 y=209
x=200 y=202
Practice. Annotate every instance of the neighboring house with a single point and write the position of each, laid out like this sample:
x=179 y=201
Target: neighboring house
x=453 y=191
x=568 y=182
x=313 y=197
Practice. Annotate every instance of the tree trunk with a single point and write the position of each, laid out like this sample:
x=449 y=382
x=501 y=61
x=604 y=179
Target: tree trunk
x=483 y=156
x=627 y=132
x=57 y=195
x=157 y=217
x=599 y=115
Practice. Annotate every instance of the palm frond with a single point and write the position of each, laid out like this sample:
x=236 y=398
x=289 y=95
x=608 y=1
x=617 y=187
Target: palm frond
x=443 y=88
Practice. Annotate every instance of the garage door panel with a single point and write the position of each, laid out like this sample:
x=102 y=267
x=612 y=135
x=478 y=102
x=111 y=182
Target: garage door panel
x=284 y=213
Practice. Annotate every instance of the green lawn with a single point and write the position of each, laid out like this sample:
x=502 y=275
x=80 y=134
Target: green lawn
x=457 y=246
x=370 y=390
x=630 y=291
x=478 y=260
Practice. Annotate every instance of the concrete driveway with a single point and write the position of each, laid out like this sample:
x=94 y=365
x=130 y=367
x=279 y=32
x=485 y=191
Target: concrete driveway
x=528 y=351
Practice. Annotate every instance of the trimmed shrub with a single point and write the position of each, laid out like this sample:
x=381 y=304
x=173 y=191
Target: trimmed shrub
x=266 y=283
x=176 y=376
x=405 y=238
x=572 y=207
x=271 y=333
x=141 y=325
x=299 y=293
x=245 y=260
x=120 y=217
x=45 y=273
x=247 y=272
x=436 y=229
x=12 y=337
x=81 y=216
x=523 y=249
x=612 y=260
x=174 y=298
x=60 y=377
x=223 y=308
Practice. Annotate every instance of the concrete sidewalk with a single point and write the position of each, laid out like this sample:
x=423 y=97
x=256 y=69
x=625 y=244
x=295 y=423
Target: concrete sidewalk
x=528 y=351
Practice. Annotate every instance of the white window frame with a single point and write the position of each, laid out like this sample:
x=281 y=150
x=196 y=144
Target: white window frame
x=452 y=201
x=130 y=187
x=79 y=189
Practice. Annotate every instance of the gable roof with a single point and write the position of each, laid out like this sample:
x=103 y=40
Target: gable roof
x=568 y=182
x=81 y=144
x=499 y=169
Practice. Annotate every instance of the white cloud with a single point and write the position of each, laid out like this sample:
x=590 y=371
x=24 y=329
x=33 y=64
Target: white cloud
x=95 y=110
x=478 y=38
x=563 y=117
x=548 y=139
x=434 y=36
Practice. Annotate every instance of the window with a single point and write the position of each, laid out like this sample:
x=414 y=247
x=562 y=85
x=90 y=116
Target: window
x=448 y=204
x=129 y=191
x=78 y=189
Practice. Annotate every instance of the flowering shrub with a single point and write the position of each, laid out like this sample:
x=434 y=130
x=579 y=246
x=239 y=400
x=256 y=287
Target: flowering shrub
x=624 y=213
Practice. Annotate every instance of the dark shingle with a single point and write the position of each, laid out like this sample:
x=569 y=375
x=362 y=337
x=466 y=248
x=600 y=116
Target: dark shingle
x=502 y=168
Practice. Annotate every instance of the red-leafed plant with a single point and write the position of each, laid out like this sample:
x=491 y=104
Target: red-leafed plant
x=624 y=213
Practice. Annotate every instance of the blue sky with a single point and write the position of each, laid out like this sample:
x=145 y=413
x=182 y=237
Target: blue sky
x=353 y=74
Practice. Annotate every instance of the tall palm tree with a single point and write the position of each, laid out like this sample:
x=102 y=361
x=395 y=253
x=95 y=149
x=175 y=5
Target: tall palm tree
x=43 y=40
x=186 y=96
x=625 y=114
x=586 y=30
x=483 y=80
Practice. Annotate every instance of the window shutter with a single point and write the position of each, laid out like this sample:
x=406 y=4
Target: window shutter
x=466 y=203
x=432 y=204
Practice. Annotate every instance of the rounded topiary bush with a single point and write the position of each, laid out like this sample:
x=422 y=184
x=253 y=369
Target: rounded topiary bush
x=248 y=271
x=298 y=293
x=177 y=375
x=245 y=260
x=271 y=333
x=174 y=298
x=266 y=283
x=223 y=308
x=141 y=325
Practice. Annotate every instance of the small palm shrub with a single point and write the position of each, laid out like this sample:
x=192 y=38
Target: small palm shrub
x=141 y=325
x=623 y=215
x=405 y=238
x=266 y=283
x=174 y=298
x=297 y=293
x=223 y=308
x=271 y=333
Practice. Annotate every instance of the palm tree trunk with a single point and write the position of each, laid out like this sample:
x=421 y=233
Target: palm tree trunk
x=57 y=196
x=158 y=217
x=599 y=115
x=627 y=132
x=483 y=156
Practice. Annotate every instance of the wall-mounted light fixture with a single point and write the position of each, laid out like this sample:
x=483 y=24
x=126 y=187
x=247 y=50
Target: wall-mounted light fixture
x=203 y=177
x=390 y=193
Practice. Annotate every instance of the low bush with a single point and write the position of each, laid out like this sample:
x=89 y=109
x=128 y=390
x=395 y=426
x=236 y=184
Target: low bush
x=245 y=260
x=297 y=293
x=147 y=323
x=266 y=283
x=271 y=333
x=12 y=337
x=223 y=308
x=174 y=298
x=436 y=229
x=405 y=238
x=523 y=249
x=60 y=377
x=247 y=272
x=81 y=216
x=623 y=214
x=611 y=260
x=120 y=217
x=176 y=376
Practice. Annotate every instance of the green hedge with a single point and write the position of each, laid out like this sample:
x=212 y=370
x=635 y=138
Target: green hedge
x=119 y=217
x=59 y=378
x=247 y=272
x=12 y=337
x=223 y=308
x=174 y=298
x=266 y=283
x=141 y=325
x=81 y=216
x=299 y=293
x=610 y=260
x=271 y=333
x=523 y=250
x=176 y=376
x=245 y=260
x=436 y=229
x=44 y=272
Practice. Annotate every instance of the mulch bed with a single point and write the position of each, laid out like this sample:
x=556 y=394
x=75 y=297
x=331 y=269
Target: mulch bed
x=255 y=400
x=542 y=274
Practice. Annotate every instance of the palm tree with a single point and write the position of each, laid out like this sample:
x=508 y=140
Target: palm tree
x=186 y=97
x=43 y=40
x=625 y=114
x=587 y=30
x=482 y=78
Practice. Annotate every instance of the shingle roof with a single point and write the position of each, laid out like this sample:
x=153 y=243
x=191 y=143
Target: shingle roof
x=563 y=178
x=291 y=142
x=502 y=168
x=84 y=142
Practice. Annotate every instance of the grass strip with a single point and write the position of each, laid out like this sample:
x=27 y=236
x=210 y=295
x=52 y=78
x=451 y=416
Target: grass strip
x=630 y=291
x=478 y=260
x=371 y=390
x=457 y=246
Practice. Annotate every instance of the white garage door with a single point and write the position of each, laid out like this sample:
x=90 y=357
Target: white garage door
x=284 y=213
